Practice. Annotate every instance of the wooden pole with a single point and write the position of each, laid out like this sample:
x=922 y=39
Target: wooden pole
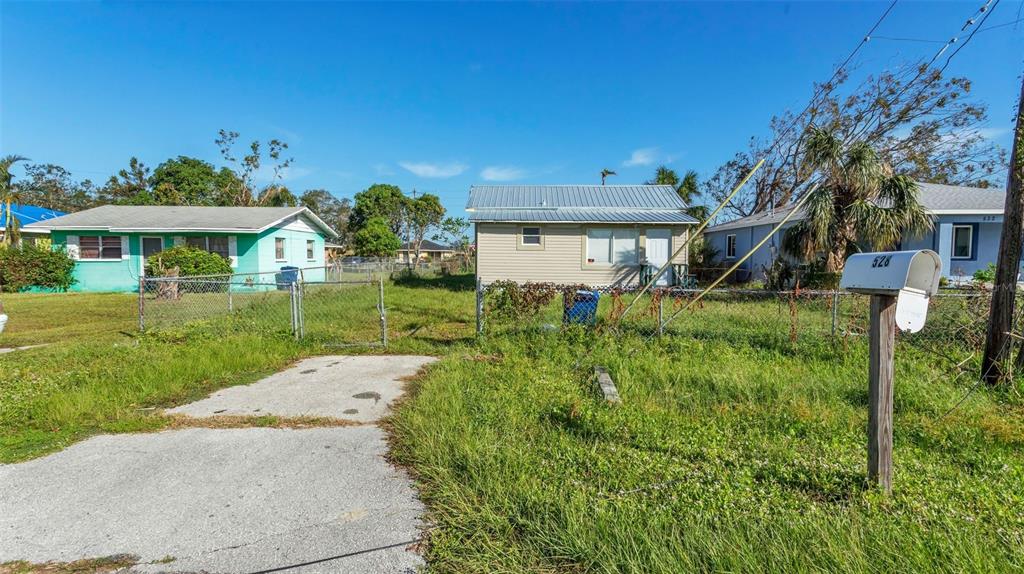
x=1000 y=320
x=881 y=338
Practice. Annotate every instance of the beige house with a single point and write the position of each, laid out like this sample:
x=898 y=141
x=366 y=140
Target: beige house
x=591 y=234
x=430 y=252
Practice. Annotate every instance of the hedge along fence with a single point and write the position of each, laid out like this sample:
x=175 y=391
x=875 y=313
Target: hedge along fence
x=30 y=266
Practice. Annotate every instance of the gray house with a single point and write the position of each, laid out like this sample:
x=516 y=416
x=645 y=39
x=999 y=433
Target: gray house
x=968 y=222
x=591 y=234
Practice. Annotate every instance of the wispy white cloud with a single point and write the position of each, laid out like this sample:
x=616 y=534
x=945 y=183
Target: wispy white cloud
x=383 y=169
x=435 y=170
x=502 y=173
x=642 y=156
x=266 y=173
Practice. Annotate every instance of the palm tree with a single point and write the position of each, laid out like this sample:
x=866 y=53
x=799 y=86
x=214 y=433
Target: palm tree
x=687 y=188
x=859 y=199
x=605 y=173
x=9 y=195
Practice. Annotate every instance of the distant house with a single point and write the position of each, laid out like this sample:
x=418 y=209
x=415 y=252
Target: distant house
x=26 y=214
x=968 y=222
x=591 y=234
x=430 y=252
x=110 y=243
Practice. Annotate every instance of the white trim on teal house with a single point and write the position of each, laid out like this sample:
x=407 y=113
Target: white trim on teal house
x=952 y=207
x=246 y=236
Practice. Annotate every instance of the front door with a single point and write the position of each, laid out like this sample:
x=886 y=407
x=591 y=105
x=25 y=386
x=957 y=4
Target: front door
x=150 y=245
x=659 y=248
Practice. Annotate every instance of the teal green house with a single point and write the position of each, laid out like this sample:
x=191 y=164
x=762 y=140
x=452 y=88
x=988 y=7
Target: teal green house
x=111 y=243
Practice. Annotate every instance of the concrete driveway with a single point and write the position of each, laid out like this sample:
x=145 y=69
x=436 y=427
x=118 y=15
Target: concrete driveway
x=231 y=500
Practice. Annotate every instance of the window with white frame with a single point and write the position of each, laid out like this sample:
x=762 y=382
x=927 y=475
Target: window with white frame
x=730 y=246
x=99 y=247
x=963 y=241
x=214 y=244
x=279 y=252
x=530 y=236
x=616 y=246
x=310 y=249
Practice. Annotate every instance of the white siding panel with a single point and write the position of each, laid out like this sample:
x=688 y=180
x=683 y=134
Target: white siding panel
x=499 y=256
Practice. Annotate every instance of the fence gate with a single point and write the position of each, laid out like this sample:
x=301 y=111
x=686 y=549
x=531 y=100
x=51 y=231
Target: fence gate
x=341 y=313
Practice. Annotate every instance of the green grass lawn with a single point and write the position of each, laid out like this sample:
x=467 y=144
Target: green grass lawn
x=98 y=374
x=736 y=450
x=740 y=446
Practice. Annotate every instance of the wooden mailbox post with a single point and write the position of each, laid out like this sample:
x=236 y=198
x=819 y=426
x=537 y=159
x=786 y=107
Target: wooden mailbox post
x=900 y=284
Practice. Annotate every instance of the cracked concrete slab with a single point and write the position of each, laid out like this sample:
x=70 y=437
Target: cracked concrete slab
x=226 y=500
x=357 y=388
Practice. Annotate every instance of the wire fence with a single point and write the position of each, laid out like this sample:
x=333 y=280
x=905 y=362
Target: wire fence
x=793 y=319
x=336 y=308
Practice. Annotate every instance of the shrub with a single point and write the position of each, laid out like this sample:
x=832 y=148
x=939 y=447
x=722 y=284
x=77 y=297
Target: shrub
x=778 y=276
x=376 y=239
x=188 y=261
x=32 y=266
x=986 y=275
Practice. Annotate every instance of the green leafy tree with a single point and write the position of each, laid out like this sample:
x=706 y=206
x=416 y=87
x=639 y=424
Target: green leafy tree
x=277 y=196
x=422 y=214
x=379 y=200
x=375 y=239
x=859 y=199
x=51 y=186
x=923 y=124
x=190 y=181
x=453 y=232
x=335 y=212
x=9 y=195
x=687 y=188
x=129 y=186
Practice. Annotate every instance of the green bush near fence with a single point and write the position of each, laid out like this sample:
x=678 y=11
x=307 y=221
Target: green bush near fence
x=188 y=261
x=27 y=266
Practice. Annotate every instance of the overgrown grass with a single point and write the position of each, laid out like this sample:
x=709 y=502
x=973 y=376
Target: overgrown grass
x=100 y=375
x=733 y=452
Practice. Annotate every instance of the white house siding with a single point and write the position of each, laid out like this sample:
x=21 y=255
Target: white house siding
x=561 y=260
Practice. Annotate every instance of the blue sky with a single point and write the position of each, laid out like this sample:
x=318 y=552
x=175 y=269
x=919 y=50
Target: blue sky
x=440 y=96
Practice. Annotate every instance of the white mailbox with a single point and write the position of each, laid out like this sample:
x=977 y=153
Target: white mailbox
x=910 y=276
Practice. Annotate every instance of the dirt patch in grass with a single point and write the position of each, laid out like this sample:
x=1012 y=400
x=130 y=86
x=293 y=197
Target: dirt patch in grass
x=174 y=422
x=88 y=565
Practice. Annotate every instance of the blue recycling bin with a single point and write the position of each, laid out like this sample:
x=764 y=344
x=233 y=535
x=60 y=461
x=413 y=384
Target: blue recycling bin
x=287 y=276
x=581 y=309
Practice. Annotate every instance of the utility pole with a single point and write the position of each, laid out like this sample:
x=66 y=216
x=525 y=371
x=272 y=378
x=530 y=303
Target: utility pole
x=1000 y=321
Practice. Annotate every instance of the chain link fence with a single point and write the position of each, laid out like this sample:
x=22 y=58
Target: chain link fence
x=794 y=319
x=330 y=306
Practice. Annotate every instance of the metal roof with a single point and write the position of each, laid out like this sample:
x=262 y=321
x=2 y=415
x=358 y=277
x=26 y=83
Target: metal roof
x=426 y=245
x=179 y=218
x=577 y=204
x=939 y=199
x=582 y=216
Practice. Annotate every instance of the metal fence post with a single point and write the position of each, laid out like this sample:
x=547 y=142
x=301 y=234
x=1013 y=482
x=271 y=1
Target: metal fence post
x=479 y=307
x=142 y=304
x=300 y=289
x=661 y=314
x=294 y=302
x=231 y=303
x=383 y=313
x=835 y=312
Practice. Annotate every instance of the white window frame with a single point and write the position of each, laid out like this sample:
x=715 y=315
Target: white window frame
x=522 y=244
x=970 y=243
x=284 y=248
x=142 y=250
x=119 y=238
x=730 y=250
x=591 y=262
x=310 y=250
